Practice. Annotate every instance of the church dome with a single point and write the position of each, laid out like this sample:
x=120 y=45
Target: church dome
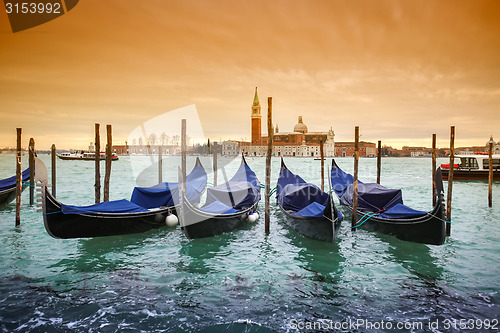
x=300 y=127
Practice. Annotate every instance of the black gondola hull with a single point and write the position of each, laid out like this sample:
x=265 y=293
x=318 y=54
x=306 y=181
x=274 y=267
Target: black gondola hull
x=199 y=224
x=7 y=196
x=318 y=228
x=427 y=229
x=325 y=228
x=214 y=226
x=65 y=226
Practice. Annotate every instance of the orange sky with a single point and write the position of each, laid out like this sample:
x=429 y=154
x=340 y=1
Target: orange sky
x=401 y=70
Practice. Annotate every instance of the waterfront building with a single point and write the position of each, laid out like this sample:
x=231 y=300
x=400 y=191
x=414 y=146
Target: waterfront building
x=299 y=142
x=148 y=150
x=346 y=149
x=230 y=148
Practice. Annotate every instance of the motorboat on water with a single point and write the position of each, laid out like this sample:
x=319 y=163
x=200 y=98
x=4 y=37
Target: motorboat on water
x=472 y=167
x=84 y=156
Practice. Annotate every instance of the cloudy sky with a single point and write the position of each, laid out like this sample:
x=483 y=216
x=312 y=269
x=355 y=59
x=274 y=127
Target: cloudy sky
x=401 y=70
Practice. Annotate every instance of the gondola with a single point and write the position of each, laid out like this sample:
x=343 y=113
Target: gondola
x=307 y=209
x=382 y=209
x=147 y=209
x=227 y=207
x=8 y=188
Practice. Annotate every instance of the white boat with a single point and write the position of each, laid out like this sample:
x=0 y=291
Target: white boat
x=85 y=156
x=475 y=166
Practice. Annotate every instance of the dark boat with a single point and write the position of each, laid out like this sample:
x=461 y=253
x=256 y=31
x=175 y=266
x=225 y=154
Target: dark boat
x=382 y=209
x=227 y=207
x=307 y=209
x=147 y=209
x=8 y=188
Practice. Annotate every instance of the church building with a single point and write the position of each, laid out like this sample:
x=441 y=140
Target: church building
x=299 y=142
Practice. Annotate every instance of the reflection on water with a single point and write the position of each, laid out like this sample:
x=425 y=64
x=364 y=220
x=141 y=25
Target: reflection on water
x=414 y=257
x=196 y=256
x=103 y=254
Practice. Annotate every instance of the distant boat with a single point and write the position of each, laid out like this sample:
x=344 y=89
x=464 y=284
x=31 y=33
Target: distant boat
x=382 y=209
x=8 y=188
x=473 y=167
x=85 y=156
x=307 y=209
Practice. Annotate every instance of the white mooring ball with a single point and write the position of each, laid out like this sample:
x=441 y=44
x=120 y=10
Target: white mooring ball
x=252 y=218
x=256 y=216
x=171 y=220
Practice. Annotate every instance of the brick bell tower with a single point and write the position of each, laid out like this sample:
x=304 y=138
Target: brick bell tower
x=256 y=119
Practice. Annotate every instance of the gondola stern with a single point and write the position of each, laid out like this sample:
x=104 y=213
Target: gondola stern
x=334 y=164
x=50 y=208
x=331 y=211
x=47 y=203
x=283 y=165
x=198 y=163
x=243 y=160
x=439 y=182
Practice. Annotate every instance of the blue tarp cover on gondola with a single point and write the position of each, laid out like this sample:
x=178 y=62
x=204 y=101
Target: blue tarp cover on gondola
x=341 y=181
x=295 y=197
x=287 y=177
x=218 y=207
x=401 y=211
x=10 y=182
x=155 y=196
x=298 y=197
x=242 y=191
x=118 y=206
x=314 y=209
x=167 y=194
x=372 y=196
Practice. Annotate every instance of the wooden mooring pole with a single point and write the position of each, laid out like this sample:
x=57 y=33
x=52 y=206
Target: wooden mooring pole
x=434 y=170
x=183 y=150
x=379 y=160
x=322 y=155
x=355 y=182
x=214 y=152
x=268 y=163
x=160 y=164
x=97 y=156
x=450 y=180
x=31 y=152
x=490 y=174
x=53 y=153
x=109 y=149
x=19 y=178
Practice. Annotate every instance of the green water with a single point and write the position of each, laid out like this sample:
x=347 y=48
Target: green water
x=246 y=281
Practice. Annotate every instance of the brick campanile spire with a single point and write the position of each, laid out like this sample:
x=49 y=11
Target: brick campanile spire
x=256 y=119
